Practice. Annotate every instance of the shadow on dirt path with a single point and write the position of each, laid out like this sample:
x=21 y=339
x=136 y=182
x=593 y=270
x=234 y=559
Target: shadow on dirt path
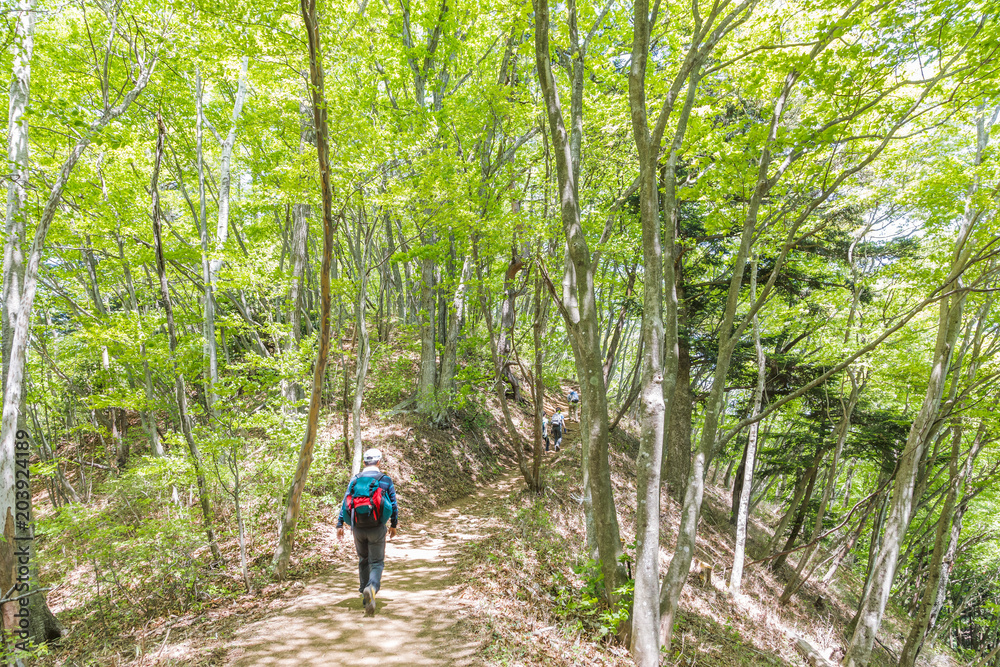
x=420 y=620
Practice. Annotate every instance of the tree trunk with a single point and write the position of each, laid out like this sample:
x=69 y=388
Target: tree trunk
x=884 y=565
x=678 y=445
x=515 y=436
x=611 y=355
x=362 y=348
x=508 y=312
x=427 y=382
x=300 y=232
x=659 y=335
x=750 y=454
x=397 y=281
x=800 y=515
x=948 y=528
x=681 y=561
x=222 y=225
x=241 y=527
x=541 y=315
x=15 y=437
x=147 y=415
x=179 y=384
x=873 y=603
x=208 y=323
x=18 y=317
x=292 y=502
x=847 y=486
x=449 y=357
x=850 y=541
x=737 y=492
x=17 y=187
x=841 y=431
x=298 y=249
x=578 y=305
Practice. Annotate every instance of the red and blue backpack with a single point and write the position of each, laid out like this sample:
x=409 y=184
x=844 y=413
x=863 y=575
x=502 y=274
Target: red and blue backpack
x=367 y=503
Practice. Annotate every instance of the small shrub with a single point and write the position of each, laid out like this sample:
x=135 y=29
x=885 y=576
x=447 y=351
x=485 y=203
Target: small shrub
x=586 y=606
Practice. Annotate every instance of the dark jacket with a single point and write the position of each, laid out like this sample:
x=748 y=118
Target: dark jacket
x=385 y=482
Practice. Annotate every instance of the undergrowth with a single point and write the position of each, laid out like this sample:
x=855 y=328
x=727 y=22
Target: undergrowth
x=551 y=591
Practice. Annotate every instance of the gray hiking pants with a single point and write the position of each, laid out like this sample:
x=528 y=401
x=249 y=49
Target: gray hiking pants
x=370 y=545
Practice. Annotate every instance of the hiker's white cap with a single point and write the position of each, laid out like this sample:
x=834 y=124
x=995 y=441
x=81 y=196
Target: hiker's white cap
x=372 y=456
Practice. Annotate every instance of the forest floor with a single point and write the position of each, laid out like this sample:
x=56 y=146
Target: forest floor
x=437 y=471
x=484 y=572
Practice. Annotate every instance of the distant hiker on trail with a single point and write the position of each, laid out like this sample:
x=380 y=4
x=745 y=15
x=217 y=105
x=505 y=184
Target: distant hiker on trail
x=545 y=430
x=370 y=502
x=558 y=425
x=574 y=404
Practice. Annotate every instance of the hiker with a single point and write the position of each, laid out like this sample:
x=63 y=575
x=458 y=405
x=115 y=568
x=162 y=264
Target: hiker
x=558 y=424
x=574 y=404
x=545 y=430
x=370 y=503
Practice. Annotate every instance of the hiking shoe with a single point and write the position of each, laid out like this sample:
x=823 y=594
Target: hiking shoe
x=557 y=448
x=368 y=596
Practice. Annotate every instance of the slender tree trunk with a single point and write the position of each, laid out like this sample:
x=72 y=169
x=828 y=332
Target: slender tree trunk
x=397 y=281
x=179 y=384
x=18 y=533
x=945 y=541
x=208 y=323
x=515 y=436
x=300 y=232
x=743 y=509
x=873 y=603
x=363 y=349
x=840 y=432
x=918 y=629
x=292 y=501
x=449 y=357
x=884 y=564
x=427 y=381
x=847 y=485
x=849 y=542
x=508 y=312
x=578 y=304
x=541 y=315
x=222 y=226
x=15 y=222
x=298 y=249
x=46 y=454
x=17 y=186
x=148 y=414
x=19 y=318
x=240 y=526
x=611 y=355
x=678 y=446
x=660 y=351
x=800 y=515
x=110 y=417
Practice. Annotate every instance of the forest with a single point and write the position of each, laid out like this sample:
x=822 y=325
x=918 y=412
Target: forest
x=246 y=241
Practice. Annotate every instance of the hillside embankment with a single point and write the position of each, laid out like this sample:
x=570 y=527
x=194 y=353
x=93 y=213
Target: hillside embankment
x=482 y=572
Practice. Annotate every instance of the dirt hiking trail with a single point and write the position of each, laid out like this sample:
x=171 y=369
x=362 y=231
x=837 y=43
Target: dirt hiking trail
x=420 y=619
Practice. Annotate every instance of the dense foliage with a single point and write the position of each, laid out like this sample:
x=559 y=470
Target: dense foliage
x=762 y=234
